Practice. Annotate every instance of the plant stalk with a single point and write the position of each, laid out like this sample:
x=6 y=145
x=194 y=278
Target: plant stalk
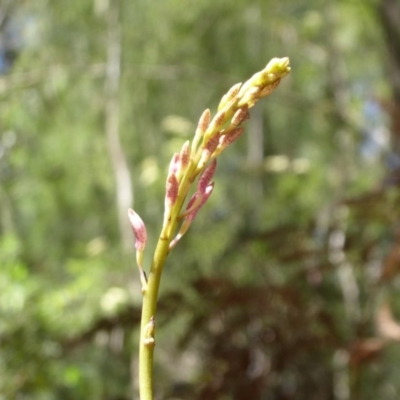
x=150 y=296
x=232 y=111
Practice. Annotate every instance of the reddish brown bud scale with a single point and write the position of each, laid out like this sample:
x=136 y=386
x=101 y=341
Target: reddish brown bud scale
x=212 y=143
x=217 y=121
x=250 y=97
x=229 y=138
x=266 y=90
x=184 y=154
x=204 y=122
x=246 y=117
x=202 y=126
x=206 y=176
x=229 y=96
x=233 y=91
x=240 y=115
x=208 y=150
x=171 y=193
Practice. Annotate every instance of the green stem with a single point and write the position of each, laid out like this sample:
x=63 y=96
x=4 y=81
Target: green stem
x=150 y=296
x=149 y=311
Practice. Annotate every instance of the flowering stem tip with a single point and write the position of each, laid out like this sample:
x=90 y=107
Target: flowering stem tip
x=189 y=185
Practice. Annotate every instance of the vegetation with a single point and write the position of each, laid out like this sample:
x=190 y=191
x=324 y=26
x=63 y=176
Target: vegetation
x=284 y=288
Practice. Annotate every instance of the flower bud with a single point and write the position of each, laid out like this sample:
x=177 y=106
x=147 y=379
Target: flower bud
x=209 y=149
x=229 y=138
x=278 y=67
x=171 y=193
x=201 y=198
x=233 y=91
x=174 y=164
x=202 y=126
x=194 y=205
x=184 y=155
x=216 y=122
x=204 y=121
x=240 y=115
x=263 y=82
x=212 y=143
x=197 y=201
x=250 y=97
x=206 y=176
x=139 y=229
x=268 y=89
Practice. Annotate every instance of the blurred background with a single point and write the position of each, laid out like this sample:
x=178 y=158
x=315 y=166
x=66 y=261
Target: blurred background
x=286 y=286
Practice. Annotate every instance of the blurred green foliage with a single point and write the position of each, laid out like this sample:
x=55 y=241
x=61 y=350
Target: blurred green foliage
x=281 y=288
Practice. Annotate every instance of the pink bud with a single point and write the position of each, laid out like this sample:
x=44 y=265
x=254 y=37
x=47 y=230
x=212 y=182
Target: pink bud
x=217 y=121
x=240 y=115
x=209 y=149
x=184 y=155
x=201 y=198
x=266 y=90
x=206 y=176
x=174 y=164
x=233 y=91
x=171 y=193
x=228 y=97
x=212 y=144
x=139 y=229
x=192 y=201
x=203 y=123
x=230 y=137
